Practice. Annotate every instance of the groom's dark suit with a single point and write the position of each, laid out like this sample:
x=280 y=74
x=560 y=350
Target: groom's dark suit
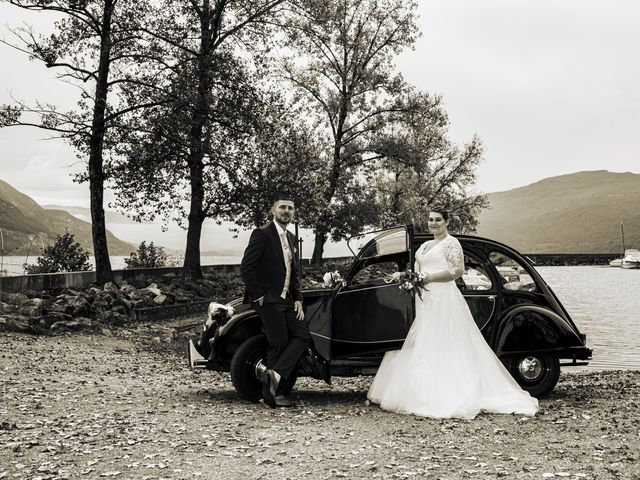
x=264 y=272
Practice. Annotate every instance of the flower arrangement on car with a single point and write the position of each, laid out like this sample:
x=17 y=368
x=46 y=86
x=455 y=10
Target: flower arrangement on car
x=331 y=279
x=409 y=280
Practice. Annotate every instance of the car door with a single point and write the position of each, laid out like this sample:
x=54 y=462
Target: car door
x=479 y=290
x=371 y=313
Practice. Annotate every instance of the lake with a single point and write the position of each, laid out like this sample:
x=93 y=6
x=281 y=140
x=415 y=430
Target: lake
x=604 y=303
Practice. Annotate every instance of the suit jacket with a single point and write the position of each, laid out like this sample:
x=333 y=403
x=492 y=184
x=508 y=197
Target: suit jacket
x=263 y=269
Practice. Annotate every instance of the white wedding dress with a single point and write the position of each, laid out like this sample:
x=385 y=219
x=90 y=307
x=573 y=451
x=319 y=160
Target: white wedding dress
x=445 y=367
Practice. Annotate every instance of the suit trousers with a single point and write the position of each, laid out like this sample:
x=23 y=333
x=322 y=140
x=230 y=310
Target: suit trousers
x=287 y=336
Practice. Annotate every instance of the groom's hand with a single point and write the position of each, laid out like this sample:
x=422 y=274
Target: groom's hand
x=299 y=311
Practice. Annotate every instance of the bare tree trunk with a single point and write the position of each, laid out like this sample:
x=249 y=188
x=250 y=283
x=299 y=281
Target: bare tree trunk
x=318 y=248
x=96 y=172
x=321 y=235
x=192 y=269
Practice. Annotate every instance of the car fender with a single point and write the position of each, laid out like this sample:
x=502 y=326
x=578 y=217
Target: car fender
x=532 y=328
x=235 y=321
x=237 y=329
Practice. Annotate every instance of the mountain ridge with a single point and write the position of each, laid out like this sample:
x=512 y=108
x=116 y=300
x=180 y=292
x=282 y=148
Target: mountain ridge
x=579 y=212
x=21 y=218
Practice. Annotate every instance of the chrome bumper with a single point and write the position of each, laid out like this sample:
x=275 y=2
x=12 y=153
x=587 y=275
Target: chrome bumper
x=195 y=359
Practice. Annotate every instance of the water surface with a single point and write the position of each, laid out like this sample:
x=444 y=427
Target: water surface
x=604 y=302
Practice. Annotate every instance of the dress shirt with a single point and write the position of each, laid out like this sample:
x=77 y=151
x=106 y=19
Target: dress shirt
x=288 y=257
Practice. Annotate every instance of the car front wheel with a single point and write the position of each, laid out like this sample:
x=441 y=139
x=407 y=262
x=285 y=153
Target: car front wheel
x=535 y=373
x=247 y=365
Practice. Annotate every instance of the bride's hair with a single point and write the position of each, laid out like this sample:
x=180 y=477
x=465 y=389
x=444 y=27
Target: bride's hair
x=441 y=210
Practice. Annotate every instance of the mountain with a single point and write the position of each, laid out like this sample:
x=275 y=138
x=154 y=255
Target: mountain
x=21 y=216
x=575 y=213
x=85 y=214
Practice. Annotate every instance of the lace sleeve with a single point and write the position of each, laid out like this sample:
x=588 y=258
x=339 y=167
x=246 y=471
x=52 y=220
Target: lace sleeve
x=455 y=258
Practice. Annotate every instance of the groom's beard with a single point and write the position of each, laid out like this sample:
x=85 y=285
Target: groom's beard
x=284 y=221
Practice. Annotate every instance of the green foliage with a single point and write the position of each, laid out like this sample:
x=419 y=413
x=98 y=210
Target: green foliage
x=64 y=255
x=342 y=69
x=147 y=256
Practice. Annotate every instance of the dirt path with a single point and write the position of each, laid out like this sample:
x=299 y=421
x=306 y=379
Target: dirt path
x=127 y=406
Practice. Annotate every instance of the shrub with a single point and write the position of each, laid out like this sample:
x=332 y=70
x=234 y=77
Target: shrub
x=64 y=255
x=147 y=256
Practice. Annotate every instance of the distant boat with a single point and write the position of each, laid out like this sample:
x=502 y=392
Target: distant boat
x=617 y=262
x=631 y=258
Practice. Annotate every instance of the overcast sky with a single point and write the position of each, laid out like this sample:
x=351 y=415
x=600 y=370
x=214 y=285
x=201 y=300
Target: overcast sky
x=550 y=86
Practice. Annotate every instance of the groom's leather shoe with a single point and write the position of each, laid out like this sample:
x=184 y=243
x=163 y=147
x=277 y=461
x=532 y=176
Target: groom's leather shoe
x=269 y=388
x=282 y=401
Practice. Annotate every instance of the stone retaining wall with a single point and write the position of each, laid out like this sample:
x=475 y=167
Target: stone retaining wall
x=82 y=280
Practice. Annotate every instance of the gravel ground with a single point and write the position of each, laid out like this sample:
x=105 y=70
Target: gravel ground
x=124 y=404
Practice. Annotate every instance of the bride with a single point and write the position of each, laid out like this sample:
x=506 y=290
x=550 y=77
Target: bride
x=445 y=368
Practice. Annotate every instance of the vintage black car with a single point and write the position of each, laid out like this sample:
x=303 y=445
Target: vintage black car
x=355 y=321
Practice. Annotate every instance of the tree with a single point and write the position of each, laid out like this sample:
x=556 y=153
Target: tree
x=64 y=255
x=197 y=40
x=93 y=45
x=344 y=71
x=147 y=256
x=421 y=168
x=282 y=157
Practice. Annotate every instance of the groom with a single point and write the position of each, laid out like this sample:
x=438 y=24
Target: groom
x=268 y=269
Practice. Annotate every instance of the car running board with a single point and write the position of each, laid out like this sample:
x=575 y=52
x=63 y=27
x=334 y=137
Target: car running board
x=574 y=363
x=195 y=359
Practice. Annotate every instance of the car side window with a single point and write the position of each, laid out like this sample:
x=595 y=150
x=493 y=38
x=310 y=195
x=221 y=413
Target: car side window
x=512 y=274
x=375 y=274
x=475 y=276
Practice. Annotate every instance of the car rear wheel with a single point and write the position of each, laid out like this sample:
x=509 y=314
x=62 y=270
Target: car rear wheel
x=535 y=373
x=247 y=364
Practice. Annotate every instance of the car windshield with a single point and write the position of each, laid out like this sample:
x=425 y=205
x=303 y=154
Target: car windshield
x=376 y=244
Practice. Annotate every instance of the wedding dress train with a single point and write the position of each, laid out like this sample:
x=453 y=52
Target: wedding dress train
x=445 y=367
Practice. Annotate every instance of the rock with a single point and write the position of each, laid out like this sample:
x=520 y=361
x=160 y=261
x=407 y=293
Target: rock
x=7 y=308
x=33 y=302
x=81 y=307
x=117 y=318
x=160 y=299
x=205 y=288
x=16 y=298
x=110 y=287
x=128 y=289
x=98 y=307
x=84 y=321
x=126 y=304
x=16 y=323
x=52 y=317
x=63 y=303
x=31 y=311
x=71 y=324
x=93 y=293
x=153 y=288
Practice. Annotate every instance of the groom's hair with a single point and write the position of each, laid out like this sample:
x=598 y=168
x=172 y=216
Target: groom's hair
x=282 y=198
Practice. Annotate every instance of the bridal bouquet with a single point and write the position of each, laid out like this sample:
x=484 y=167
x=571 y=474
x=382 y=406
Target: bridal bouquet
x=409 y=280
